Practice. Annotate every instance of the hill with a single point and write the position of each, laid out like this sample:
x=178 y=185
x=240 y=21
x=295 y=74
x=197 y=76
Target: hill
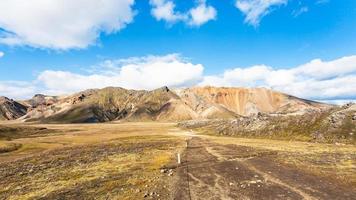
x=10 y=109
x=337 y=124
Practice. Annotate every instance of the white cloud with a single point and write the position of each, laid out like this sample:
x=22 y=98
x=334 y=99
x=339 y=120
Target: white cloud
x=2 y=54
x=61 y=24
x=317 y=79
x=164 y=10
x=17 y=89
x=135 y=73
x=255 y=10
x=201 y=14
x=197 y=16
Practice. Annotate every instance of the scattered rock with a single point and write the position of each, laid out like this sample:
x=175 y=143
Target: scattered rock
x=145 y=195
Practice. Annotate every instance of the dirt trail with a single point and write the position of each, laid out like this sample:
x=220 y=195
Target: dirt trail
x=214 y=171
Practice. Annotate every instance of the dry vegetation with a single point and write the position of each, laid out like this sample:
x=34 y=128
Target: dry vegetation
x=124 y=160
x=104 y=161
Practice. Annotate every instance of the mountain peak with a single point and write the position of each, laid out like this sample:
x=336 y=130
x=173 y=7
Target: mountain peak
x=164 y=89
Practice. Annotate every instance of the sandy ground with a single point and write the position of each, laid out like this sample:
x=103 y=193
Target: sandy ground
x=139 y=161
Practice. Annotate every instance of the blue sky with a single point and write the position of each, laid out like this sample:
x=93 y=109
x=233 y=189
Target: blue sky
x=279 y=35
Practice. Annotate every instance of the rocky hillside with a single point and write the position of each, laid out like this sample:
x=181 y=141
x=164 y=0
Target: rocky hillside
x=247 y=101
x=10 y=109
x=163 y=104
x=334 y=125
x=40 y=100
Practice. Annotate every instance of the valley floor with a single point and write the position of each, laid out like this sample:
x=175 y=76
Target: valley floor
x=138 y=161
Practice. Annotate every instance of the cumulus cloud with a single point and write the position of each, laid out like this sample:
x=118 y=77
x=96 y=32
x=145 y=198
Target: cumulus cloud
x=1 y=54
x=165 y=10
x=201 y=14
x=61 y=24
x=196 y=16
x=317 y=79
x=135 y=73
x=255 y=10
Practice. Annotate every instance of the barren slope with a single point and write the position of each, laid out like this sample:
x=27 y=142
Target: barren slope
x=247 y=101
x=10 y=109
x=113 y=104
x=332 y=126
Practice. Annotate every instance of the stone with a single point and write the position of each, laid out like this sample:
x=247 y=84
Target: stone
x=253 y=182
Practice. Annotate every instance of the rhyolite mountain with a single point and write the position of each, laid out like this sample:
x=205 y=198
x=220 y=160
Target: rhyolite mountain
x=162 y=104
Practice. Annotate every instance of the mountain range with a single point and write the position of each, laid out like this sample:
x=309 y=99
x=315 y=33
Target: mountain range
x=162 y=104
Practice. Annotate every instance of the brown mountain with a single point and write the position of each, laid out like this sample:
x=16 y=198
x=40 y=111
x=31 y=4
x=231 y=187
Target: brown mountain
x=10 y=109
x=247 y=101
x=163 y=104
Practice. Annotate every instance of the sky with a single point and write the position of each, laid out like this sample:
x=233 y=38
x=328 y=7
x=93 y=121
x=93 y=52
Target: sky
x=305 y=48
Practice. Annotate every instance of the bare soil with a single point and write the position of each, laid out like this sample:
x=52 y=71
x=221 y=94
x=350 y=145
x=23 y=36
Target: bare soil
x=215 y=171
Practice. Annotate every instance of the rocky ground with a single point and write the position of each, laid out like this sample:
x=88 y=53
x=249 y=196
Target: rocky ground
x=336 y=125
x=215 y=171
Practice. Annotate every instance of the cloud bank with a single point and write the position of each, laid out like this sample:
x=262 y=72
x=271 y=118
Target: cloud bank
x=317 y=79
x=331 y=81
x=135 y=73
x=61 y=24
